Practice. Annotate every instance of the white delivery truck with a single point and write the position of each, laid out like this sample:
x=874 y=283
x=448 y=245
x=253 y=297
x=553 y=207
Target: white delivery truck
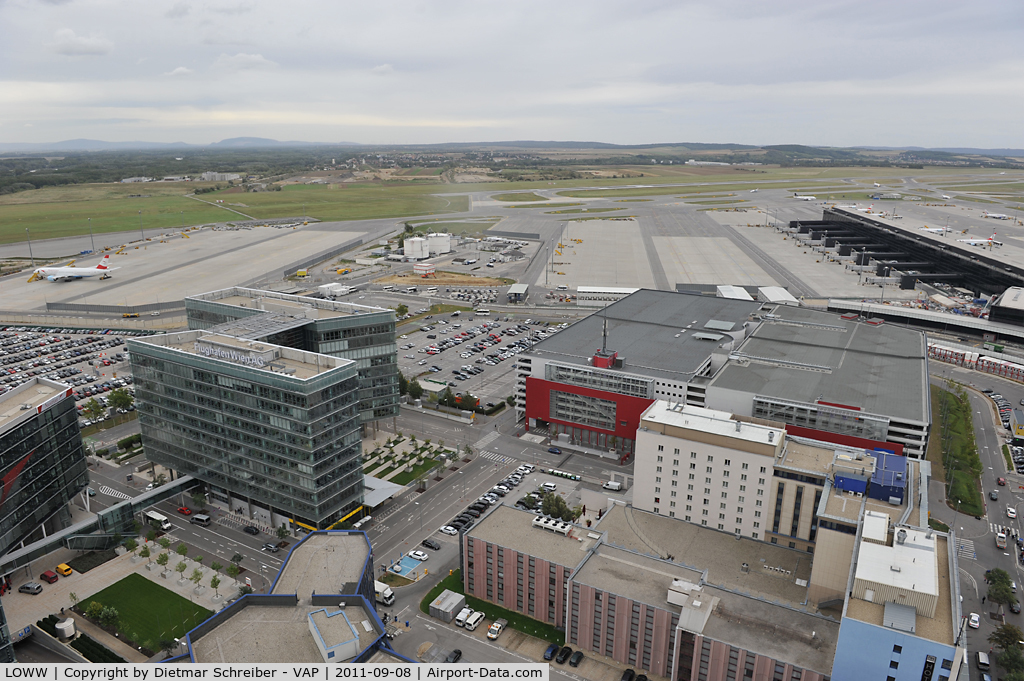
x=158 y=520
x=383 y=592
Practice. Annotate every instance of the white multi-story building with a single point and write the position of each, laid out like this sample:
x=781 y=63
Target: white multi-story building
x=705 y=467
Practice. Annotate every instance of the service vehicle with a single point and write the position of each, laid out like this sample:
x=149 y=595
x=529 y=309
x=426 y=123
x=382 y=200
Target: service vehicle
x=496 y=628
x=383 y=593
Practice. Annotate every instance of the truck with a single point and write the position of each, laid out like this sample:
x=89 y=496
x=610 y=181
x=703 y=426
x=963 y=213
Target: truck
x=157 y=520
x=1001 y=540
x=383 y=593
x=496 y=629
x=335 y=290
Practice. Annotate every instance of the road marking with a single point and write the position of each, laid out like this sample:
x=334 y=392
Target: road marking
x=114 y=493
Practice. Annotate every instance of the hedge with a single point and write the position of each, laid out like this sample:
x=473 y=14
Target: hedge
x=93 y=651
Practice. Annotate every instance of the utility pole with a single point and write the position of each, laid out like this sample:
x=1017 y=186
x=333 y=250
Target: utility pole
x=32 y=257
x=91 y=240
x=140 y=226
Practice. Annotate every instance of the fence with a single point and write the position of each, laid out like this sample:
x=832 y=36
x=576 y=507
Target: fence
x=116 y=309
x=308 y=262
x=525 y=236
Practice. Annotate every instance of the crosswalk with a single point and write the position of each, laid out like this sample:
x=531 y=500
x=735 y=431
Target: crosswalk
x=109 y=491
x=965 y=549
x=494 y=456
x=487 y=439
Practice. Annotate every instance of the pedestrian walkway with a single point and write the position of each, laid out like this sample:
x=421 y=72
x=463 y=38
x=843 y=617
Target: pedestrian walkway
x=487 y=439
x=494 y=456
x=965 y=549
x=110 y=491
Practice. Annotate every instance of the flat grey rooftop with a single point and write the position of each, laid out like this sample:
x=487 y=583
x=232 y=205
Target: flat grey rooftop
x=33 y=393
x=649 y=330
x=720 y=553
x=845 y=362
x=325 y=562
x=634 y=576
x=512 y=528
x=264 y=634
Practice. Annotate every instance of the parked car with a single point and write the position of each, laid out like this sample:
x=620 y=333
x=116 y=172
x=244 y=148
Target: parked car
x=552 y=650
x=49 y=577
x=576 y=658
x=184 y=510
x=431 y=544
x=249 y=529
x=628 y=675
x=454 y=656
x=418 y=555
x=563 y=655
x=33 y=588
x=448 y=529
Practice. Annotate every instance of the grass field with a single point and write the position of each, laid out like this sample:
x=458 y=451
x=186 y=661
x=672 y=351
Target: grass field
x=516 y=620
x=524 y=196
x=952 y=449
x=149 y=612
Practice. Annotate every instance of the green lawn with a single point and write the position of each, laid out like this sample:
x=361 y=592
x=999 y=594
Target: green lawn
x=516 y=620
x=408 y=475
x=953 y=447
x=149 y=612
x=581 y=210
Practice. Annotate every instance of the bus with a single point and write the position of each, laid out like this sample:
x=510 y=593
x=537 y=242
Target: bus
x=157 y=520
x=411 y=289
x=482 y=313
x=388 y=287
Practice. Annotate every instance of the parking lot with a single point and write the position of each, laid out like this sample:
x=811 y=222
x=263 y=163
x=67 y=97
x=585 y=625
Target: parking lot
x=469 y=353
x=93 y=363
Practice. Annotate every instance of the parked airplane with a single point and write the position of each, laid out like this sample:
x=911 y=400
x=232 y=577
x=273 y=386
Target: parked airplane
x=877 y=185
x=990 y=241
x=936 y=230
x=67 y=273
x=995 y=216
x=798 y=197
x=752 y=191
x=945 y=196
x=866 y=210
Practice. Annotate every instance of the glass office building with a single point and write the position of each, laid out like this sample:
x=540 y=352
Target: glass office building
x=274 y=431
x=361 y=333
x=42 y=466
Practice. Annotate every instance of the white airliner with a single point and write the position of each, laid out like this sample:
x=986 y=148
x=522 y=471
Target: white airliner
x=877 y=185
x=936 y=230
x=994 y=216
x=866 y=210
x=991 y=241
x=798 y=197
x=68 y=273
x=752 y=191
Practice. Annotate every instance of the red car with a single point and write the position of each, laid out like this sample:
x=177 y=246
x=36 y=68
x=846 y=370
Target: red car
x=184 y=510
x=1000 y=481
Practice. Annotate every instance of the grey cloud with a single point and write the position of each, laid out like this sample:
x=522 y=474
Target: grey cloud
x=68 y=43
x=177 y=10
x=243 y=62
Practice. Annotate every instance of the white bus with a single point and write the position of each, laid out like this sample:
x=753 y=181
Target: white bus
x=158 y=520
x=431 y=290
x=388 y=287
x=482 y=313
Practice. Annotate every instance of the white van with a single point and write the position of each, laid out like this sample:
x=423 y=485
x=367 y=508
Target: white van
x=464 y=614
x=474 y=620
x=613 y=486
x=562 y=287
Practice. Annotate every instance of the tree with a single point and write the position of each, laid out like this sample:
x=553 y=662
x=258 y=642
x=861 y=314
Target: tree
x=1006 y=636
x=162 y=559
x=109 y=616
x=467 y=450
x=555 y=506
x=180 y=568
x=403 y=384
x=94 y=610
x=409 y=229
x=415 y=389
x=245 y=589
x=92 y=409
x=197 y=576
x=1012 y=660
x=199 y=559
x=165 y=543
x=151 y=535
x=216 y=567
x=283 y=532
x=131 y=545
x=511 y=400
x=182 y=550
x=233 y=570
x=214 y=583
x=145 y=552
x=199 y=500
x=237 y=558
x=447 y=398
x=402 y=310
x=74 y=599
x=120 y=399
x=467 y=401
x=1001 y=593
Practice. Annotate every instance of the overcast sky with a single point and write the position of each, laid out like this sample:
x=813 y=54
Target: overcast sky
x=931 y=74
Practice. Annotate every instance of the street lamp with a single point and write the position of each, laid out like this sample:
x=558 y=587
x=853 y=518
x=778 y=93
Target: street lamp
x=140 y=226
x=91 y=240
x=421 y=514
x=463 y=484
x=27 y=235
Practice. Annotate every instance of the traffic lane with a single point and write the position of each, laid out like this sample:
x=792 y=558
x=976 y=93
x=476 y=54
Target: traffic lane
x=214 y=546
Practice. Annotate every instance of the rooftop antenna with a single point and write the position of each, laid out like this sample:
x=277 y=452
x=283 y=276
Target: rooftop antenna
x=604 y=331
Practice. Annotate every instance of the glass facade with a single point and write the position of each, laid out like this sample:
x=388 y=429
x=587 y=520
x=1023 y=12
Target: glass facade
x=290 y=444
x=822 y=417
x=597 y=379
x=367 y=338
x=42 y=465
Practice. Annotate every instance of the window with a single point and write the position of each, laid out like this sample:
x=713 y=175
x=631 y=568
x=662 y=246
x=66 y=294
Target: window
x=689 y=497
x=897 y=649
x=673 y=493
x=687 y=518
x=661 y=448
x=744 y=466
x=760 y=481
x=657 y=479
x=657 y=489
x=656 y=509
x=743 y=477
x=706 y=502
x=672 y=504
x=675 y=483
x=675 y=473
x=689 y=508
x=675 y=462
x=658 y=469
x=763 y=469
x=743 y=488
x=760 y=492
x=725 y=474
x=693 y=466
x=709 y=469
x=756 y=524
x=707 y=490
x=725 y=483
x=739 y=510
x=725 y=495
x=757 y=514
x=757 y=502
x=676 y=452
x=741 y=499
x=710 y=458
x=704 y=511
x=721 y=506
x=893 y=664
x=693 y=455
x=738 y=521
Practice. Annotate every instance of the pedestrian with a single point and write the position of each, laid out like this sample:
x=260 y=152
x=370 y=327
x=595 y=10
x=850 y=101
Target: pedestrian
x=983 y=600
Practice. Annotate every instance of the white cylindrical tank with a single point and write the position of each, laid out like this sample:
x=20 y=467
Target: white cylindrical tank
x=416 y=248
x=65 y=629
x=439 y=244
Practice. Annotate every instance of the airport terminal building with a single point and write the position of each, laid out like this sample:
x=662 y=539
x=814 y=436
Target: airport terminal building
x=42 y=464
x=824 y=376
x=273 y=431
x=361 y=333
